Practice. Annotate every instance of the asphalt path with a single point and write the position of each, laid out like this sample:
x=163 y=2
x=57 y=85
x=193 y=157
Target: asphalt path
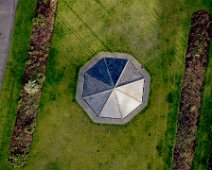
x=7 y=15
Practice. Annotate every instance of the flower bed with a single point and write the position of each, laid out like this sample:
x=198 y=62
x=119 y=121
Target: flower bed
x=196 y=61
x=34 y=76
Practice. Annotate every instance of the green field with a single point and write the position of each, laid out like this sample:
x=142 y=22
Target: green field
x=155 y=33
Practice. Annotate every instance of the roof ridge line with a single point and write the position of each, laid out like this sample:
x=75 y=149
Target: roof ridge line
x=121 y=73
x=97 y=93
x=117 y=103
x=105 y=103
x=109 y=73
x=130 y=82
x=99 y=81
x=129 y=64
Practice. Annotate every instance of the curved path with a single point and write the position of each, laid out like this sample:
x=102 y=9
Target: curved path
x=7 y=13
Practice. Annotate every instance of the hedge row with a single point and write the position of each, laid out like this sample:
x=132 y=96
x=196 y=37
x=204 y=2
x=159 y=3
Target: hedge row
x=196 y=62
x=34 y=76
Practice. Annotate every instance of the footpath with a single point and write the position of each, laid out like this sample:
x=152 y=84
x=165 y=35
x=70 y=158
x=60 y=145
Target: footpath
x=7 y=15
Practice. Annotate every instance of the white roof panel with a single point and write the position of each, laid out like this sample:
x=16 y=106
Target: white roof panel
x=126 y=103
x=134 y=89
x=110 y=108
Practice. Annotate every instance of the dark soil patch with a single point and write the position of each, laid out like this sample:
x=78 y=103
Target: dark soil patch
x=196 y=62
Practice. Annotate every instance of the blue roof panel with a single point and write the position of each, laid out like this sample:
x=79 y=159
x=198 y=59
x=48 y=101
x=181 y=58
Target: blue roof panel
x=100 y=72
x=115 y=66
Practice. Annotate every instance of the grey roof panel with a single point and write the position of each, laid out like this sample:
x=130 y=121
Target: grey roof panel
x=129 y=75
x=92 y=85
x=97 y=101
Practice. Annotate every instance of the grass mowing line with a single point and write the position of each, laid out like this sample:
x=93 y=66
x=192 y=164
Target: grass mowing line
x=178 y=109
x=157 y=132
x=78 y=36
x=86 y=25
x=102 y=6
x=158 y=108
x=68 y=55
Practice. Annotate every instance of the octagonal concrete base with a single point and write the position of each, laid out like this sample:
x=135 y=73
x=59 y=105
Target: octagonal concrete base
x=87 y=108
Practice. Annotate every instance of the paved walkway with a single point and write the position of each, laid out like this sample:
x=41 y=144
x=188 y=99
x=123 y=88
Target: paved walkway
x=7 y=13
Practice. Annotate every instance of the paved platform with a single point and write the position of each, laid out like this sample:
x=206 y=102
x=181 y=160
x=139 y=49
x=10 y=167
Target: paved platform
x=7 y=13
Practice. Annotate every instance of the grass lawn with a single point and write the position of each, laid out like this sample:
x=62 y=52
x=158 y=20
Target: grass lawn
x=155 y=33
